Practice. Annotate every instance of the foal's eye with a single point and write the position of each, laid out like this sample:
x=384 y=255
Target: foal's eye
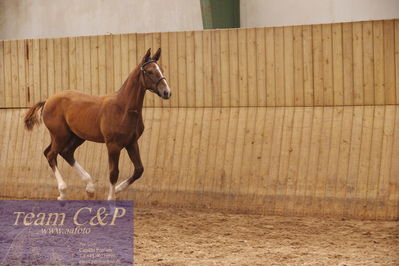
x=150 y=72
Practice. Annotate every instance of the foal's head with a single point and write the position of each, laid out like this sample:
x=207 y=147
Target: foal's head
x=153 y=78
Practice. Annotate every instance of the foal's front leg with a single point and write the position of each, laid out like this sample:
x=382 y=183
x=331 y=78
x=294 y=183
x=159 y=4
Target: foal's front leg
x=113 y=159
x=134 y=155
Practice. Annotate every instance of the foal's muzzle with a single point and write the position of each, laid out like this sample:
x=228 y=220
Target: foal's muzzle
x=166 y=94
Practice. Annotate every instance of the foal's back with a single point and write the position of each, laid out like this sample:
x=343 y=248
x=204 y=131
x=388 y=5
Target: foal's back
x=76 y=112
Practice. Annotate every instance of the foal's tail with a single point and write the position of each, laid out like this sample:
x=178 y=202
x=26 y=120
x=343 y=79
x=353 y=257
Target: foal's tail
x=31 y=117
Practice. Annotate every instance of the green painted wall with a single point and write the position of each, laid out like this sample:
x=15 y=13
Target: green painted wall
x=218 y=14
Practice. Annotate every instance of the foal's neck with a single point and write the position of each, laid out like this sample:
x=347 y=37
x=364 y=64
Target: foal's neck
x=132 y=92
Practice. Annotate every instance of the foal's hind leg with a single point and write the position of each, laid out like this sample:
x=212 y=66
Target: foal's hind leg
x=114 y=151
x=51 y=153
x=68 y=155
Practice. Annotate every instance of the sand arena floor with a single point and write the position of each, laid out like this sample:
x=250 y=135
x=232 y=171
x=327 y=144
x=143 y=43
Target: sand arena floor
x=172 y=236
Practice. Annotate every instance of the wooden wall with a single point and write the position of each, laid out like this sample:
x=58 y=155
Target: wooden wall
x=298 y=120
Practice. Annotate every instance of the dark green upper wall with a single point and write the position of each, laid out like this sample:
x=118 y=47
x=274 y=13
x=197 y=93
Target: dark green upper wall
x=218 y=14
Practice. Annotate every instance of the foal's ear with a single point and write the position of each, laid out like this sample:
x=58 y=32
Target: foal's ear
x=146 y=57
x=157 y=55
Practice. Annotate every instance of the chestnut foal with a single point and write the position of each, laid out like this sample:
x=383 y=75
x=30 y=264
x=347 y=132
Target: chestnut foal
x=116 y=120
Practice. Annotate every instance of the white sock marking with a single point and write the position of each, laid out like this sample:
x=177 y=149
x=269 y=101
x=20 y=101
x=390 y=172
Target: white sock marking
x=111 y=194
x=122 y=186
x=85 y=177
x=61 y=184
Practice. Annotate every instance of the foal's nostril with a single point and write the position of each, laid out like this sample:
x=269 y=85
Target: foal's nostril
x=166 y=94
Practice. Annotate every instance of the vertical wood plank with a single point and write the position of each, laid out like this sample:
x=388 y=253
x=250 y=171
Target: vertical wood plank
x=50 y=67
x=28 y=71
x=347 y=50
x=186 y=180
x=153 y=148
x=86 y=65
x=358 y=92
x=125 y=67
x=256 y=182
x=72 y=63
x=260 y=55
x=279 y=65
x=389 y=65
x=173 y=69
x=392 y=190
x=375 y=162
x=386 y=163
x=264 y=159
x=206 y=125
x=252 y=66
x=397 y=59
x=220 y=116
x=242 y=67
x=58 y=66
x=338 y=85
x=207 y=42
x=233 y=68
x=285 y=151
x=161 y=163
x=378 y=63
x=36 y=71
x=364 y=162
x=2 y=77
x=289 y=67
x=294 y=158
x=79 y=63
x=343 y=161
x=169 y=153
x=328 y=89
x=247 y=152
x=298 y=66
x=182 y=68
x=194 y=183
x=190 y=69
x=224 y=68
x=313 y=159
x=116 y=45
x=132 y=52
x=226 y=139
x=14 y=74
x=102 y=68
x=199 y=69
x=22 y=79
x=109 y=62
x=332 y=166
x=236 y=174
x=7 y=74
x=308 y=65
x=94 y=65
x=318 y=77
x=43 y=68
x=354 y=157
x=322 y=167
x=65 y=63
x=368 y=59
x=303 y=164
x=273 y=171
x=270 y=68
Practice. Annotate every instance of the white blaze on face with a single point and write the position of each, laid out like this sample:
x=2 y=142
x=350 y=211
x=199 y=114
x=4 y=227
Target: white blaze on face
x=166 y=89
